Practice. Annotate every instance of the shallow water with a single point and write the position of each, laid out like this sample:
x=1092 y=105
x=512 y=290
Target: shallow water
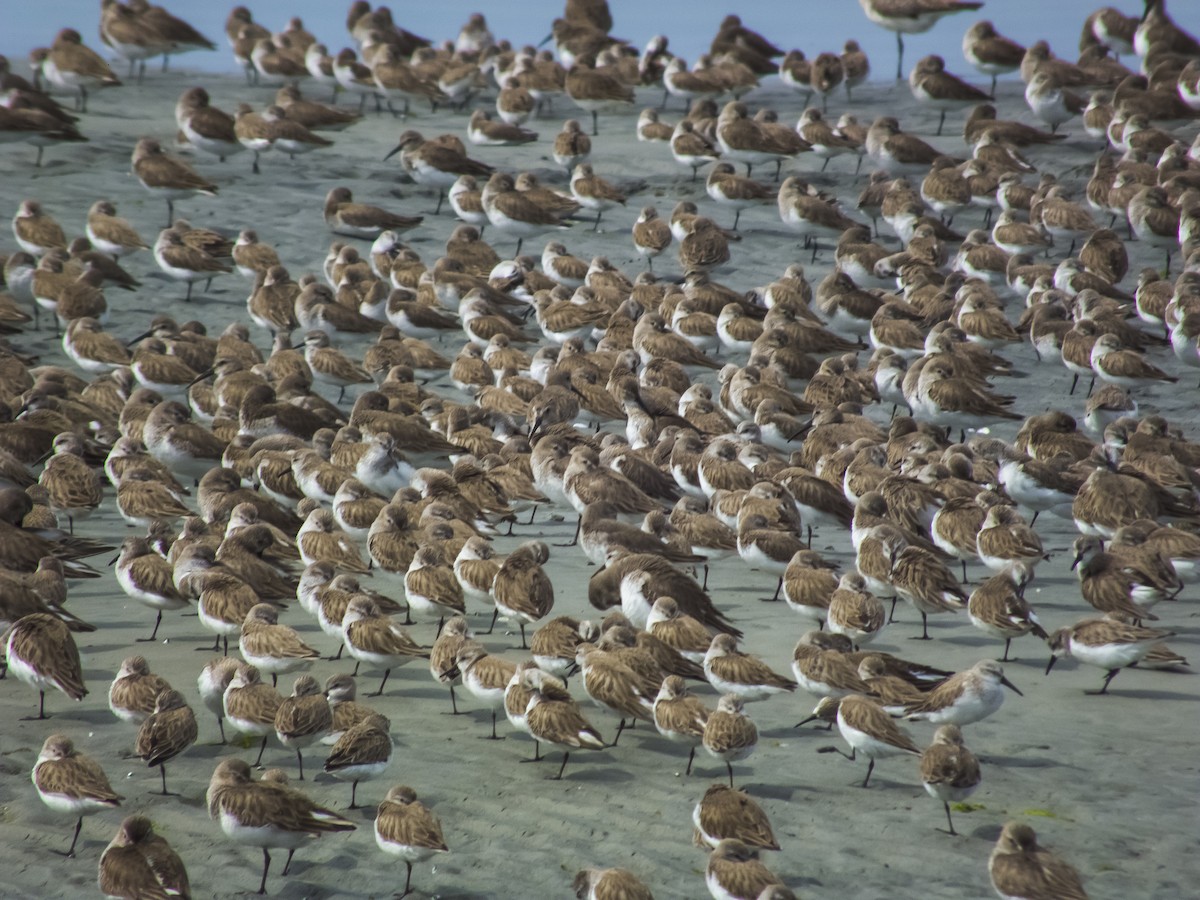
x=810 y=25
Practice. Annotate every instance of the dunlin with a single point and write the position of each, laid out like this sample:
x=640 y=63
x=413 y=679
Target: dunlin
x=166 y=733
x=139 y=863
x=250 y=706
x=303 y=718
x=904 y=17
x=1104 y=643
x=1022 y=870
x=726 y=813
x=949 y=771
x=166 y=176
x=375 y=639
x=40 y=651
x=266 y=814
x=344 y=216
x=406 y=828
x=71 y=782
x=553 y=716
x=679 y=716
x=609 y=884
x=865 y=726
x=965 y=697
x=729 y=734
x=134 y=690
x=735 y=872
x=74 y=67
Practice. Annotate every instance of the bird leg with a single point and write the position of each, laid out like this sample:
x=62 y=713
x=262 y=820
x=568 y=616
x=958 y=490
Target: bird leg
x=941 y=122
x=563 y=767
x=71 y=850
x=900 y=58
x=870 y=769
x=261 y=750
x=288 y=862
x=155 y=631
x=381 y=684
x=691 y=756
x=949 y=821
x=1112 y=673
x=300 y=764
x=595 y=126
x=353 y=795
x=729 y=767
x=262 y=888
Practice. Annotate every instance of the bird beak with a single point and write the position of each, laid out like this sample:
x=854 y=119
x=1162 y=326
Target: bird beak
x=142 y=336
x=1075 y=562
x=199 y=378
x=544 y=41
x=574 y=667
x=114 y=559
x=806 y=721
x=1012 y=687
x=392 y=153
x=1050 y=665
x=454 y=672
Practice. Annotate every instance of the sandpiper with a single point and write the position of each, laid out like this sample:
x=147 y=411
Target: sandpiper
x=166 y=733
x=266 y=814
x=1104 y=643
x=735 y=871
x=949 y=771
x=72 y=66
x=991 y=52
x=595 y=91
x=167 y=176
x=40 y=651
x=729 y=734
x=865 y=726
x=1022 y=870
x=726 y=813
x=554 y=717
x=344 y=216
x=406 y=828
x=138 y=862
x=964 y=697
x=904 y=17
x=71 y=782
x=599 y=884
x=932 y=84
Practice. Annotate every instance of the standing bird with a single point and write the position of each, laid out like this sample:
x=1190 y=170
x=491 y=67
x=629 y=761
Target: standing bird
x=911 y=17
x=70 y=782
x=866 y=726
x=729 y=734
x=166 y=176
x=407 y=828
x=166 y=733
x=41 y=652
x=949 y=771
x=266 y=814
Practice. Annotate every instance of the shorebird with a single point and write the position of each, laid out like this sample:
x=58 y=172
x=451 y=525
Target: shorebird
x=344 y=216
x=991 y=52
x=514 y=212
x=964 y=697
x=727 y=813
x=139 y=863
x=1051 y=102
x=911 y=17
x=553 y=716
x=73 y=67
x=406 y=828
x=134 y=690
x=729 y=734
x=68 y=781
x=949 y=771
x=598 y=884
x=266 y=814
x=1104 y=643
x=932 y=84
x=865 y=726
x=362 y=750
x=167 y=176
x=1022 y=870
x=40 y=651
x=735 y=871
x=595 y=91
x=166 y=733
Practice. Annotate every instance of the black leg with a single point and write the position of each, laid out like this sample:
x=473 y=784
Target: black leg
x=75 y=839
x=262 y=888
x=288 y=862
x=261 y=750
x=870 y=769
x=562 y=768
x=1007 y=641
x=729 y=767
x=300 y=763
x=691 y=757
x=155 y=631
x=42 y=709
x=162 y=770
x=1112 y=673
x=407 y=879
x=595 y=126
x=381 y=684
x=354 y=795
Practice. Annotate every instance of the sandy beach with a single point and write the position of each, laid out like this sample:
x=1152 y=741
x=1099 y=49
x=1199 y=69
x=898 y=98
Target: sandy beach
x=1109 y=782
